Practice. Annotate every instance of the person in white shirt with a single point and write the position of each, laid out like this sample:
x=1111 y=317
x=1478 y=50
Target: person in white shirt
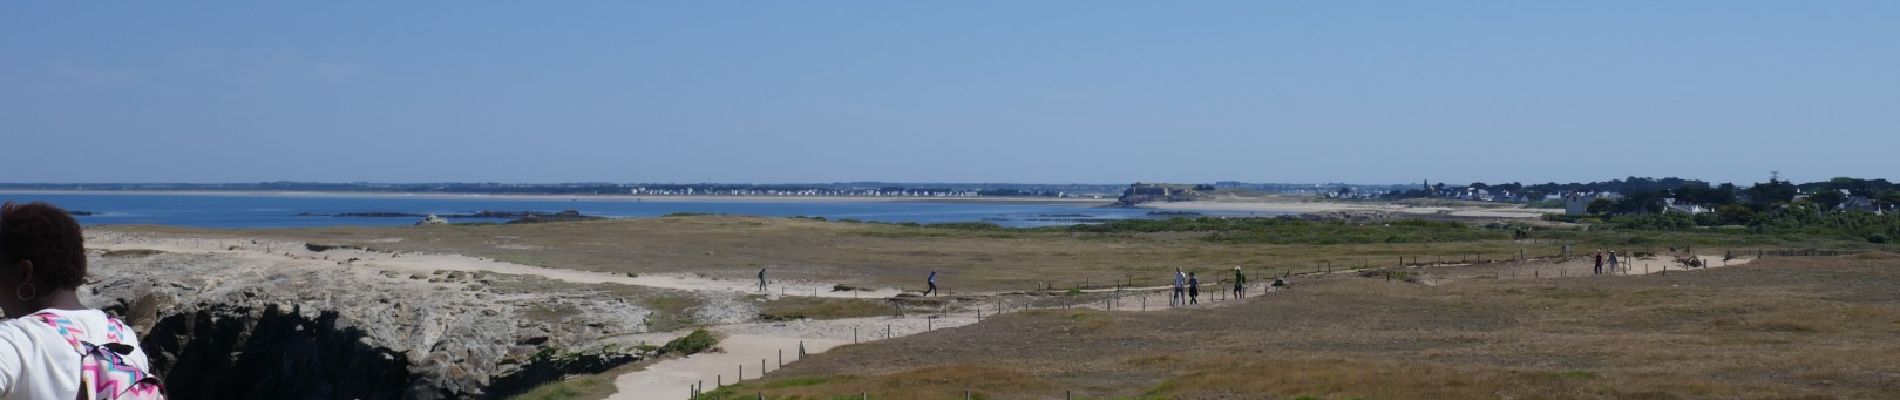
x=1180 y=288
x=42 y=264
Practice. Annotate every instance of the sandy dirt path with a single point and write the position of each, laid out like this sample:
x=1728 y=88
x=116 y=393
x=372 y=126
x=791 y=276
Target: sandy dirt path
x=1554 y=268
x=429 y=262
x=747 y=344
x=748 y=347
x=676 y=378
x=1585 y=266
x=1657 y=266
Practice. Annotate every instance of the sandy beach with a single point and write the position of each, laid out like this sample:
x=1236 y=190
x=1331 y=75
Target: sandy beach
x=1315 y=207
x=1272 y=207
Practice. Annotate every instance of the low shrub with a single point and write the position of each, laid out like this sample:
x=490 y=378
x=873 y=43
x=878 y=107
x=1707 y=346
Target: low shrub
x=693 y=343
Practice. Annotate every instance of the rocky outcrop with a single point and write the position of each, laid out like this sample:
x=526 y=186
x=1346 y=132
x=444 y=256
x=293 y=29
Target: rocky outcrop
x=228 y=326
x=236 y=352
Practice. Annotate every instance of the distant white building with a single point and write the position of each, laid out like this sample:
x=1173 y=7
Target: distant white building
x=1577 y=203
x=1671 y=205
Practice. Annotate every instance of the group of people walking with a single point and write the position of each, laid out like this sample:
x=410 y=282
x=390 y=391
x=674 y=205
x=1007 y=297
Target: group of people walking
x=1187 y=287
x=1614 y=265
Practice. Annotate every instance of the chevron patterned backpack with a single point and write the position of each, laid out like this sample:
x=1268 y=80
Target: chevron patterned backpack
x=104 y=373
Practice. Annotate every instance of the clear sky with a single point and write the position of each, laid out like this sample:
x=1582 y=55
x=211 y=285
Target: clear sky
x=962 y=91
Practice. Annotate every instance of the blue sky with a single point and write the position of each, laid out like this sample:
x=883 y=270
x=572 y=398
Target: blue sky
x=966 y=91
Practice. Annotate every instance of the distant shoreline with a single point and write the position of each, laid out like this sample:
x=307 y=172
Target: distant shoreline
x=575 y=197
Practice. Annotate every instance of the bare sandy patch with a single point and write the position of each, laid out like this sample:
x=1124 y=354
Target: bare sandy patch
x=429 y=262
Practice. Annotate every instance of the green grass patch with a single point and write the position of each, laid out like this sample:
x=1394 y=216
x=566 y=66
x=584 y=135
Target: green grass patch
x=582 y=388
x=791 y=308
x=693 y=343
x=797 y=382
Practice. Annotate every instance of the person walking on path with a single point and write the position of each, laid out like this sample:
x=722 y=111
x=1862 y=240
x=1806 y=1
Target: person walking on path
x=1599 y=270
x=1180 y=286
x=933 y=284
x=1194 y=289
x=1614 y=265
x=1240 y=283
x=762 y=279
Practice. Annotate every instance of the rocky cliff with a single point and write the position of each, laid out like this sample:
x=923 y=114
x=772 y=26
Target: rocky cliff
x=243 y=326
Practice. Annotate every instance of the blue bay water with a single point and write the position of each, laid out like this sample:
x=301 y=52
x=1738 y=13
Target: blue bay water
x=280 y=210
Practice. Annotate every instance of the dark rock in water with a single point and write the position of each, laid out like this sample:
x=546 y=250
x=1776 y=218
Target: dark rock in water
x=382 y=214
x=1173 y=214
x=564 y=216
x=77 y=213
x=1139 y=193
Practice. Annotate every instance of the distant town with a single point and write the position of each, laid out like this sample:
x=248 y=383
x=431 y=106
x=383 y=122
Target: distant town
x=1628 y=196
x=837 y=189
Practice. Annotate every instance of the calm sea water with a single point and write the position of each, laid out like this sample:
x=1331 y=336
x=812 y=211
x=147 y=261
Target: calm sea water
x=280 y=210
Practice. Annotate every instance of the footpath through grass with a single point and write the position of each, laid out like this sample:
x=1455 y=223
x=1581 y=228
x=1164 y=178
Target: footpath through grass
x=1810 y=328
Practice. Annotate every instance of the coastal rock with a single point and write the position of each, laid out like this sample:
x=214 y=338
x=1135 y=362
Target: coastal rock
x=222 y=326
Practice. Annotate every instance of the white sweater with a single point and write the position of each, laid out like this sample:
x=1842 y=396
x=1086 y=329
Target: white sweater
x=36 y=363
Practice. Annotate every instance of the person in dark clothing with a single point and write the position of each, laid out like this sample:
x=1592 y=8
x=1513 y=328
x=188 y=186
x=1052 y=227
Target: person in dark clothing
x=1194 y=289
x=1240 y=283
x=933 y=284
x=1599 y=270
x=761 y=279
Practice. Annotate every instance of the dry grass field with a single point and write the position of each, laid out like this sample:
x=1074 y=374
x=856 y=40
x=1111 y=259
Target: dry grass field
x=874 y=254
x=1782 y=328
x=1774 y=328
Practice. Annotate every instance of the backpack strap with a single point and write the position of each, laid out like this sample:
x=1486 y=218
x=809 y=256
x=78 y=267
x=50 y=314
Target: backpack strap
x=99 y=361
x=67 y=329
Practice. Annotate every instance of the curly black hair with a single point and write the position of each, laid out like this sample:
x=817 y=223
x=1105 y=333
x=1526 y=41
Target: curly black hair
x=49 y=237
